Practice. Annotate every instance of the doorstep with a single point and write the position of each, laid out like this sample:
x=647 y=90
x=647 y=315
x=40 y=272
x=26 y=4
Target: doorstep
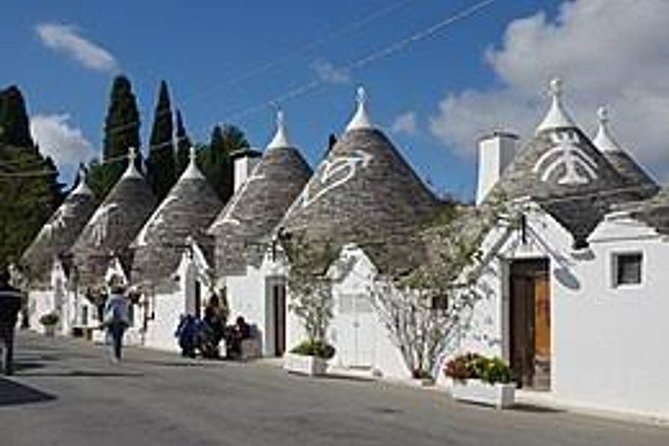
x=351 y=373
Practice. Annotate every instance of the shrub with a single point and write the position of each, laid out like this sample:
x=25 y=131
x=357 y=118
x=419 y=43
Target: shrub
x=319 y=349
x=49 y=319
x=475 y=366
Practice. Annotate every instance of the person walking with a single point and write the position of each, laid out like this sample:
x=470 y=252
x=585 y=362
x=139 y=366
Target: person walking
x=10 y=305
x=116 y=316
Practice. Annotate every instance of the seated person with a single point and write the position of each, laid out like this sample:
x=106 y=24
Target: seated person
x=236 y=334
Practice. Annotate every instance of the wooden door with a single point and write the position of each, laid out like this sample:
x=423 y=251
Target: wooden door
x=530 y=323
x=542 y=332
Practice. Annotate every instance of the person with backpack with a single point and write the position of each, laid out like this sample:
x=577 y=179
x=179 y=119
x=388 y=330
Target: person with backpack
x=116 y=316
x=10 y=305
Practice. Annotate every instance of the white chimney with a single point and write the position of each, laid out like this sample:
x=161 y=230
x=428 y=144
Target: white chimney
x=245 y=162
x=496 y=151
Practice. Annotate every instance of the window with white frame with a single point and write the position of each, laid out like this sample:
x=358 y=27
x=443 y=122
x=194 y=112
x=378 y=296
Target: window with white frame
x=627 y=268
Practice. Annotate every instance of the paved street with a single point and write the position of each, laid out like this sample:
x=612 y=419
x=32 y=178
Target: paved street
x=66 y=393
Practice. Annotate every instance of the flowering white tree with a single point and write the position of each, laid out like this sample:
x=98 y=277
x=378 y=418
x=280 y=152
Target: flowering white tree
x=309 y=284
x=423 y=309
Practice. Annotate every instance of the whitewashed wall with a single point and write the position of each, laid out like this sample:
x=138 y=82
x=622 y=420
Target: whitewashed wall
x=610 y=343
x=249 y=297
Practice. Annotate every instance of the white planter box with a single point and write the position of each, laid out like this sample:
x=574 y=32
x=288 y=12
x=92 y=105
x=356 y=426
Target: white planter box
x=305 y=365
x=477 y=391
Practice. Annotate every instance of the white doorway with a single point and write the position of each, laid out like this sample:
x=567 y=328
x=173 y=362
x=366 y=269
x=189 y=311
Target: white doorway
x=355 y=330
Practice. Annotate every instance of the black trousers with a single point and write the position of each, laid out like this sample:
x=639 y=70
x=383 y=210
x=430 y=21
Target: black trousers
x=7 y=351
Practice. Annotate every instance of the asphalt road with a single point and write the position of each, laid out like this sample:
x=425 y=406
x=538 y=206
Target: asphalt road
x=65 y=392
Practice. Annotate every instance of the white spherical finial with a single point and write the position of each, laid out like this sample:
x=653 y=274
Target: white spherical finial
x=603 y=114
x=192 y=154
x=556 y=86
x=132 y=154
x=603 y=140
x=557 y=116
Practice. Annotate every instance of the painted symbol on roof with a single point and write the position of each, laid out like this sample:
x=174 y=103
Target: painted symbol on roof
x=157 y=218
x=58 y=222
x=100 y=223
x=579 y=168
x=332 y=177
x=228 y=218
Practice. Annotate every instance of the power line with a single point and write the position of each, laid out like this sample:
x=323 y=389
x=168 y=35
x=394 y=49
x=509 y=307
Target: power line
x=369 y=58
x=314 y=43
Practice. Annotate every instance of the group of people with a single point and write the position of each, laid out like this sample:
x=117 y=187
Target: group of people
x=194 y=334
x=206 y=334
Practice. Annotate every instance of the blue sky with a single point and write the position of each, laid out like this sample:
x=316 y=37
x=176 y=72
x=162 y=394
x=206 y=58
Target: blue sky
x=201 y=47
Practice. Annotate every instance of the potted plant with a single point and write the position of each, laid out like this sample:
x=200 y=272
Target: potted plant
x=309 y=358
x=481 y=379
x=49 y=321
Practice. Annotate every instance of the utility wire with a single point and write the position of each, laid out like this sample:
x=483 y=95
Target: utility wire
x=306 y=88
x=369 y=58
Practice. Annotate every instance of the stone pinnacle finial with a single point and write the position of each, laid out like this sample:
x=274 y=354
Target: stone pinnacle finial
x=603 y=114
x=361 y=118
x=281 y=136
x=556 y=117
x=603 y=140
x=556 y=86
x=192 y=171
x=82 y=188
x=131 y=171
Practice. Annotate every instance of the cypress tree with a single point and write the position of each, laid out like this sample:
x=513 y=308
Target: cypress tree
x=160 y=167
x=28 y=181
x=216 y=161
x=14 y=123
x=183 y=146
x=121 y=132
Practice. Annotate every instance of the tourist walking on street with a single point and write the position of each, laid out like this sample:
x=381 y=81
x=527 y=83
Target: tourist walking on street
x=10 y=305
x=116 y=316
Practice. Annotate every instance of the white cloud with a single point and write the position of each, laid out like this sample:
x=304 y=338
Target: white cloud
x=404 y=123
x=329 y=73
x=57 y=138
x=68 y=40
x=607 y=52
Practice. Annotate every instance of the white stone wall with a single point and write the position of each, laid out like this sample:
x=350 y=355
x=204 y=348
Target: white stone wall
x=609 y=346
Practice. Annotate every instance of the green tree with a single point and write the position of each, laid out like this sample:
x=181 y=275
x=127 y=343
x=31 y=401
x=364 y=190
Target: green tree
x=14 y=123
x=121 y=132
x=183 y=145
x=160 y=168
x=216 y=161
x=30 y=193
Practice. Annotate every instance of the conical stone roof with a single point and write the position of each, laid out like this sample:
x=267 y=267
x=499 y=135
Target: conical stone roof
x=113 y=226
x=364 y=192
x=619 y=158
x=247 y=221
x=655 y=211
x=58 y=234
x=187 y=210
x=566 y=175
